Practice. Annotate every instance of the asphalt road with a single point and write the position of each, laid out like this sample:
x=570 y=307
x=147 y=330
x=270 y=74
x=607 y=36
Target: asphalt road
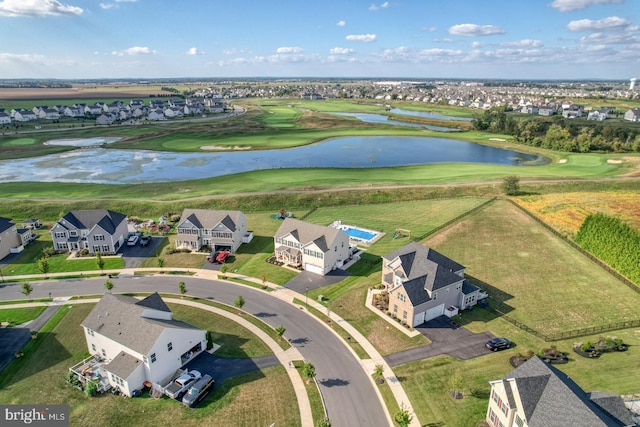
x=347 y=390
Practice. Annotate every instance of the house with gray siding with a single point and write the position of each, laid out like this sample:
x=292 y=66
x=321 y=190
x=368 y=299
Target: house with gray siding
x=217 y=230
x=98 y=230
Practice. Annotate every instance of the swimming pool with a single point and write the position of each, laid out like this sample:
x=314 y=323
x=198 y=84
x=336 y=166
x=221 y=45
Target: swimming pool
x=358 y=235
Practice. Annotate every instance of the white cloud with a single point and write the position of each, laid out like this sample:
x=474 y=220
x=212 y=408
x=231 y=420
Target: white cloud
x=341 y=23
x=477 y=45
x=289 y=49
x=341 y=51
x=443 y=40
x=609 y=38
x=472 y=30
x=430 y=29
x=20 y=57
x=194 y=51
x=37 y=8
x=374 y=7
x=571 y=5
x=135 y=50
x=366 y=38
x=107 y=6
x=523 y=43
x=612 y=23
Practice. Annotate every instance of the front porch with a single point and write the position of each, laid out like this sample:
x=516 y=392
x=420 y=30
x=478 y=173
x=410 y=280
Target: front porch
x=289 y=256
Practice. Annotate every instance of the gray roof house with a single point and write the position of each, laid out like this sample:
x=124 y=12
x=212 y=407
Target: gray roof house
x=536 y=394
x=424 y=284
x=312 y=247
x=9 y=238
x=218 y=230
x=97 y=230
x=135 y=341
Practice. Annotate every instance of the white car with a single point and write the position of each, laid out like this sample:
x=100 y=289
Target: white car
x=132 y=240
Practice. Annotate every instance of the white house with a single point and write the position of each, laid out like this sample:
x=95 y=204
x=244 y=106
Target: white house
x=172 y=112
x=24 y=116
x=104 y=119
x=9 y=238
x=216 y=229
x=138 y=340
x=156 y=115
x=98 y=230
x=632 y=115
x=598 y=115
x=93 y=110
x=5 y=119
x=49 y=114
x=313 y=247
x=74 y=111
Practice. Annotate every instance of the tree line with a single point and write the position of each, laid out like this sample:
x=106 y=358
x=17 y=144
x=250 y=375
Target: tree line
x=560 y=134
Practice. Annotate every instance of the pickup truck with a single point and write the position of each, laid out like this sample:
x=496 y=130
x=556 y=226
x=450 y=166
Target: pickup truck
x=178 y=386
x=198 y=391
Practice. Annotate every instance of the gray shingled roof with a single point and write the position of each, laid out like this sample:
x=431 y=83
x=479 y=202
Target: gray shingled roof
x=123 y=365
x=550 y=398
x=87 y=219
x=5 y=224
x=207 y=218
x=119 y=318
x=306 y=232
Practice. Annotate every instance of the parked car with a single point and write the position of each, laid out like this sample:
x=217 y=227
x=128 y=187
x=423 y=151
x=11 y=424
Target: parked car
x=212 y=257
x=222 y=257
x=179 y=385
x=198 y=391
x=144 y=241
x=498 y=344
x=132 y=240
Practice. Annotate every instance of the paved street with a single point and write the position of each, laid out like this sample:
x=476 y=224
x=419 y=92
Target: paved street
x=349 y=395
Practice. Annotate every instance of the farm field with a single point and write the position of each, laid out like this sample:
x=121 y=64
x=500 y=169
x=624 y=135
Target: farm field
x=253 y=399
x=533 y=276
x=567 y=211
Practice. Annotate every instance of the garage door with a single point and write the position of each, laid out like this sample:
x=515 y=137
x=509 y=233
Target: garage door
x=434 y=312
x=313 y=268
x=418 y=319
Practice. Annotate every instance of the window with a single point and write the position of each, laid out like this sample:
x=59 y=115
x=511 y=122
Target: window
x=145 y=360
x=106 y=248
x=104 y=353
x=404 y=314
x=73 y=233
x=494 y=396
x=519 y=421
x=90 y=332
x=93 y=347
x=169 y=346
x=395 y=308
x=153 y=357
x=504 y=408
x=401 y=297
x=62 y=245
x=434 y=296
x=60 y=234
x=98 y=237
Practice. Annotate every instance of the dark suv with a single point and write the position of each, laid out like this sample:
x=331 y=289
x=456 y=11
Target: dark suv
x=498 y=344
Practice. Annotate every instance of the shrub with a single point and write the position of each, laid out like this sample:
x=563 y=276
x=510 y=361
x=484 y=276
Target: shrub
x=586 y=346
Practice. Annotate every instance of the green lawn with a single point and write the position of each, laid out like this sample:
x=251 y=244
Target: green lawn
x=258 y=398
x=532 y=275
x=17 y=316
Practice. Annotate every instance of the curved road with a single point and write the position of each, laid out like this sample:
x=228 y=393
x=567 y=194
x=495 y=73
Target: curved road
x=349 y=394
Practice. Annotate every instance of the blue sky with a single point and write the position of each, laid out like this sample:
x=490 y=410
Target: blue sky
x=519 y=39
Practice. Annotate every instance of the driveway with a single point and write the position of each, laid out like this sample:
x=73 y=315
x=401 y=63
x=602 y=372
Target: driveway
x=446 y=338
x=312 y=281
x=134 y=255
x=223 y=368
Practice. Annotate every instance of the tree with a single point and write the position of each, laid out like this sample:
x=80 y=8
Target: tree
x=239 y=302
x=456 y=382
x=108 y=285
x=378 y=371
x=43 y=266
x=27 y=289
x=182 y=288
x=403 y=417
x=280 y=330
x=99 y=261
x=159 y=261
x=308 y=371
x=323 y=423
x=511 y=185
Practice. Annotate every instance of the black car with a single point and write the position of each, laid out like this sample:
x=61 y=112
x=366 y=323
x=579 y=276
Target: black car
x=144 y=240
x=498 y=344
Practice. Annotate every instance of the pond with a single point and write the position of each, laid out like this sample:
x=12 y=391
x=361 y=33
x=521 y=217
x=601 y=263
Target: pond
x=381 y=118
x=115 y=166
x=427 y=115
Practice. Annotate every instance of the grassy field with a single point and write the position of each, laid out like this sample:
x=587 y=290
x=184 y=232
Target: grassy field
x=532 y=275
x=567 y=211
x=17 y=316
x=257 y=398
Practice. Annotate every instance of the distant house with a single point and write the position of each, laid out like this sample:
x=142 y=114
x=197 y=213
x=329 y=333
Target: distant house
x=93 y=110
x=24 y=116
x=138 y=340
x=547 y=110
x=536 y=394
x=173 y=112
x=49 y=114
x=113 y=107
x=310 y=96
x=74 y=111
x=313 y=247
x=632 y=115
x=98 y=230
x=598 y=115
x=10 y=241
x=215 y=105
x=573 y=111
x=216 y=229
x=424 y=284
x=529 y=109
x=156 y=104
x=31 y=223
x=156 y=115
x=5 y=119
x=104 y=119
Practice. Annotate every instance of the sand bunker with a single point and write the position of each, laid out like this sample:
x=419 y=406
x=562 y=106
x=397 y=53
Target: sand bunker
x=562 y=161
x=497 y=139
x=615 y=162
x=222 y=147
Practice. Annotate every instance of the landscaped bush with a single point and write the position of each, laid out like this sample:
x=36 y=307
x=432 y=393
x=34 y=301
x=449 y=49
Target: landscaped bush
x=603 y=345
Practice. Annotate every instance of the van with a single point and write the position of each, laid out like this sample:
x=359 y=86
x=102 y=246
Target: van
x=198 y=391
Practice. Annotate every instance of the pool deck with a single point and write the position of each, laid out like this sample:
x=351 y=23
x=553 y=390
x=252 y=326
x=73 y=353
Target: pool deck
x=354 y=240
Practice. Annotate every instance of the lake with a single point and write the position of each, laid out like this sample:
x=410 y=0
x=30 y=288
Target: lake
x=382 y=119
x=116 y=166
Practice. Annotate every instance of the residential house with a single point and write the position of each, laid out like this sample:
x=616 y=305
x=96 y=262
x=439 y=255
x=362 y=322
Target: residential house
x=598 y=115
x=177 y=103
x=547 y=110
x=24 y=116
x=49 y=114
x=138 y=341
x=39 y=108
x=104 y=119
x=313 y=247
x=215 y=229
x=136 y=103
x=537 y=394
x=98 y=230
x=93 y=110
x=633 y=115
x=156 y=115
x=5 y=119
x=193 y=108
x=74 y=111
x=10 y=241
x=112 y=107
x=31 y=223
x=529 y=109
x=138 y=112
x=573 y=111
x=173 y=112
x=310 y=96
x=156 y=104
x=215 y=105
x=424 y=284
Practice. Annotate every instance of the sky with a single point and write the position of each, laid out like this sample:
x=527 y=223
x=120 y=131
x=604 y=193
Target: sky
x=467 y=39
